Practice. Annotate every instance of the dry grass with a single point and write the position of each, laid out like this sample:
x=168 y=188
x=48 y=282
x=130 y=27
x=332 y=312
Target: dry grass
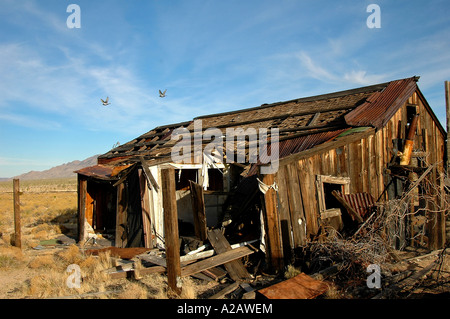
x=291 y=272
x=43 y=216
x=46 y=213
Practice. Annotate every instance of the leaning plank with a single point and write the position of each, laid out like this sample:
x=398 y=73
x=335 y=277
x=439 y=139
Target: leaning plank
x=235 y=268
x=148 y=173
x=198 y=209
x=216 y=260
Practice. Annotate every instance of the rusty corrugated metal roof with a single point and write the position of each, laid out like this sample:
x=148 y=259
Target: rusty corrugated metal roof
x=296 y=145
x=382 y=105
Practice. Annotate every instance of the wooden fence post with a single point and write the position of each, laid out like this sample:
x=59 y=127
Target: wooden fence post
x=172 y=242
x=17 y=227
x=82 y=189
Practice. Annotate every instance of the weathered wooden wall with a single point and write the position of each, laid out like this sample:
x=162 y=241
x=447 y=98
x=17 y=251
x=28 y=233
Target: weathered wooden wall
x=362 y=157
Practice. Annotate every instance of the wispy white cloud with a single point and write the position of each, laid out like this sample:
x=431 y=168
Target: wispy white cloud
x=314 y=70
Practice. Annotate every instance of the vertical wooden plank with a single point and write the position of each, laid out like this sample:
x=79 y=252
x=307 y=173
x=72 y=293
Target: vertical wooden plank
x=364 y=171
x=333 y=162
x=172 y=242
x=342 y=161
x=121 y=237
x=295 y=204
x=285 y=214
x=371 y=172
x=145 y=205
x=272 y=225
x=309 y=199
x=198 y=210
x=17 y=223
x=355 y=167
x=82 y=190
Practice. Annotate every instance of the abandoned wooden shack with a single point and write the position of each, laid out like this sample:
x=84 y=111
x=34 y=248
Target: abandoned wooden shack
x=338 y=155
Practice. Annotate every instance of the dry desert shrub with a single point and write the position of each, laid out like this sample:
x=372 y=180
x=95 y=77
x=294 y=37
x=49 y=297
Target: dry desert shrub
x=189 y=290
x=72 y=255
x=51 y=280
x=11 y=257
x=157 y=288
x=291 y=272
x=48 y=284
x=133 y=290
x=44 y=261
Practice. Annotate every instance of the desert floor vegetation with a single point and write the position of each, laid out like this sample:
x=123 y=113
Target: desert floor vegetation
x=48 y=211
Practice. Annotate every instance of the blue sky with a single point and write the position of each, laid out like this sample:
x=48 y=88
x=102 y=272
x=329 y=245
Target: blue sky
x=211 y=56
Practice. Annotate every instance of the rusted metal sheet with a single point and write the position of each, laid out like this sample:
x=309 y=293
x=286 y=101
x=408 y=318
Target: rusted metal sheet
x=362 y=203
x=301 y=286
x=382 y=105
x=97 y=171
x=296 y=145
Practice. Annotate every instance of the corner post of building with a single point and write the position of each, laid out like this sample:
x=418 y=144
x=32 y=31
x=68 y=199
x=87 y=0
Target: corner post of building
x=82 y=189
x=172 y=244
x=17 y=223
x=272 y=226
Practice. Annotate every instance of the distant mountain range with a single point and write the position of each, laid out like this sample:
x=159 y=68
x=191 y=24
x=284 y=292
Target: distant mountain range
x=60 y=171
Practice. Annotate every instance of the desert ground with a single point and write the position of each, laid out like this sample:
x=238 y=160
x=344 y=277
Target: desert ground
x=48 y=214
x=40 y=268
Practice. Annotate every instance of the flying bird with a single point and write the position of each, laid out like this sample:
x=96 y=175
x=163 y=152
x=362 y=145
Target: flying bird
x=162 y=94
x=105 y=102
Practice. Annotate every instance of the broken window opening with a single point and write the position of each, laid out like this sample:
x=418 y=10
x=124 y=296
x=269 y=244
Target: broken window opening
x=332 y=212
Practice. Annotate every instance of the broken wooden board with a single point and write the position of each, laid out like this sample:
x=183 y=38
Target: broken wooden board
x=213 y=274
x=216 y=260
x=301 y=286
x=134 y=273
x=235 y=268
x=124 y=253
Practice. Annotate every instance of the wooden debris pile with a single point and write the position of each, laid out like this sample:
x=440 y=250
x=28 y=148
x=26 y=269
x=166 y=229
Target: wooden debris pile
x=213 y=261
